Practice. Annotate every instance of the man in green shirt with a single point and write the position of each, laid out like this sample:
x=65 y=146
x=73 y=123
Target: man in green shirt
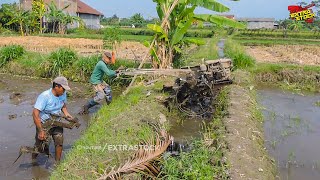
x=102 y=89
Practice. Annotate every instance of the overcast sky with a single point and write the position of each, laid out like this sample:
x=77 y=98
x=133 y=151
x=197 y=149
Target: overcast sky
x=244 y=8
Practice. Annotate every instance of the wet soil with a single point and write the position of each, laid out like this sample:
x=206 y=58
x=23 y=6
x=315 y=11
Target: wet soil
x=17 y=96
x=247 y=156
x=292 y=133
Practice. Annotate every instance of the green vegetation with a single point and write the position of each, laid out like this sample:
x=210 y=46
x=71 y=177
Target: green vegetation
x=290 y=77
x=238 y=55
x=112 y=38
x=205 y=160
x=248 y=41
x=59 y=60
x=15 y=18
x=277 y=33
x=252 y=37
x=170 y=38
x=116 y=124
x=63 y=61
x=10 y=53
x=208 y=51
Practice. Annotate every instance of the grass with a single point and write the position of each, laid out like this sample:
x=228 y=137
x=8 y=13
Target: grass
x=252 y=41
x=66 y=63
x=289 y=77
x=207 y=51
x=277 y=33
x=238 y=55
x=205 y=161
x=116 y=124
x=9 y=53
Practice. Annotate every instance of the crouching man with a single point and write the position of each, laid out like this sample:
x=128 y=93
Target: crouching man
x=51 y=102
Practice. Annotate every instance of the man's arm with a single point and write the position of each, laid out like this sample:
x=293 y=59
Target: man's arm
x=108 y=71
x=37 y=122
x=65 y=112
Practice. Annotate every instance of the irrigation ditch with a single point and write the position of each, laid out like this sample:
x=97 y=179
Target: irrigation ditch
x=235 y=143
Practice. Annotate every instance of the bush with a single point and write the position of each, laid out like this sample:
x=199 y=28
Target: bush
x=59 y=60
x=84 y=67
x=238 y=55
x=10 y=53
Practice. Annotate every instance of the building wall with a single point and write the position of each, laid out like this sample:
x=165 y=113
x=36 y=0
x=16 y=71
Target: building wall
x=260 y=25
x=91 y=21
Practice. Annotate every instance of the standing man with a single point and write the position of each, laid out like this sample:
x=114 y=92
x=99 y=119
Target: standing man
x=102 y=89
x=51 y=102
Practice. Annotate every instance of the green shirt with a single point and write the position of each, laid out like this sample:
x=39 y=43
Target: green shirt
x=98 y=72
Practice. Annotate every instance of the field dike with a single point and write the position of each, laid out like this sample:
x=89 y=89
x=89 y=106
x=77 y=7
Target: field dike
x=247 y=155
x=100 y=149
x=295 y=78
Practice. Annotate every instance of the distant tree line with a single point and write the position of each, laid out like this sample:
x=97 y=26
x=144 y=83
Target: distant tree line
x=137 y=20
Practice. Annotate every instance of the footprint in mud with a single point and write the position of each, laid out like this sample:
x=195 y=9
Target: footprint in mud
x=16 y=98
x=12 y=116
x=15 y=95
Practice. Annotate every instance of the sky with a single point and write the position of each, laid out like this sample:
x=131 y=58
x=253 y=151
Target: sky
x=277 y=9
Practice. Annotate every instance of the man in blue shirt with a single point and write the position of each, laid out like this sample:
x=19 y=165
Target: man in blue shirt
x=51 y=102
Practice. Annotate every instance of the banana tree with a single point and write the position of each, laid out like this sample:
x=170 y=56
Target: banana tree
x=170 y=38
x=18 y=16
x=57 y=17
x=39 y=10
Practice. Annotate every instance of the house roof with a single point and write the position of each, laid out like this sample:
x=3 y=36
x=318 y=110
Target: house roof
x=83 y=8
x=256 y=19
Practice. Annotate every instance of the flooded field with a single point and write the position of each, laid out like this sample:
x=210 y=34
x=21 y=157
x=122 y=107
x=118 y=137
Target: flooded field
x=292 y=131
x=17 y=96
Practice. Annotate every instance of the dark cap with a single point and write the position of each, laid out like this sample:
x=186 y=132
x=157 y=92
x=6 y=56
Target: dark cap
x=106 y=53
x=62 y=81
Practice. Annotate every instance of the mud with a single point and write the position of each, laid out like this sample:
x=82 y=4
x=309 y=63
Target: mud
x=221 y=48
x=292 y=133
x=247 y=157
x=18 y=95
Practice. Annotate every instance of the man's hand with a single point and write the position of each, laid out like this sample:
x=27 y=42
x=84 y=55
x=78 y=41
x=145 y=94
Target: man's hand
x=41 y=135
x=69 y=117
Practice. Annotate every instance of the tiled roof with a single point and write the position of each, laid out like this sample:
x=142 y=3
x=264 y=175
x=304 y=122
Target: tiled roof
x=83 y=8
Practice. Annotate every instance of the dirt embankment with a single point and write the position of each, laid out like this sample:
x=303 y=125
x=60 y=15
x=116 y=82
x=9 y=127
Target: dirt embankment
x=295 y=54
x=127 y=50
x=247 y=155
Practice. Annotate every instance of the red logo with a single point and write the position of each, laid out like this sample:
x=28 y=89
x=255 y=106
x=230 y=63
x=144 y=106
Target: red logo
x=300 y=13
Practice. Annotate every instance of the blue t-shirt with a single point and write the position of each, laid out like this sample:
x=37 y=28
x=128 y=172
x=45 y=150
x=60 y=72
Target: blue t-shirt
x=47 y=104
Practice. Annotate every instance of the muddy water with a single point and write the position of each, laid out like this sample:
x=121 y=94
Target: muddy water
x=17 y=96
x=221 y=48
x=292 y=132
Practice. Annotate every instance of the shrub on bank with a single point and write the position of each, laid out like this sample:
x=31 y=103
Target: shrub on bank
x=10 y=53
x=58 y=61
x=238 y=55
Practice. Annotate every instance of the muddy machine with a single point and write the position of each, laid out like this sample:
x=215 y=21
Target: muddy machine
x=196 y=87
